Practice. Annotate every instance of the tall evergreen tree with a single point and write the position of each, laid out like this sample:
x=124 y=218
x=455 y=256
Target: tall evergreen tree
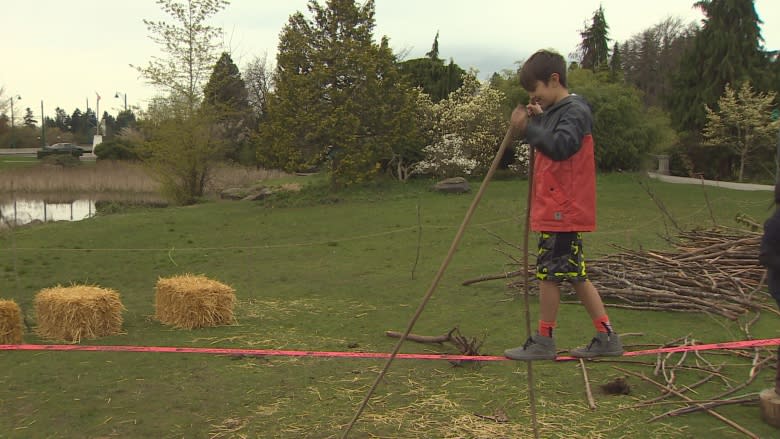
x=338 y=98
x=29 y=119
x=225 y=95
x=226 y=88
x=61 y=120
x=727 y=50
x=431 y=74
x=125 y=119
x=615 y=63
x=77 y=122
x=594 y=49
x=434 y=53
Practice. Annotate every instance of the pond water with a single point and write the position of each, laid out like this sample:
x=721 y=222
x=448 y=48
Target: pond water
x=21 y=212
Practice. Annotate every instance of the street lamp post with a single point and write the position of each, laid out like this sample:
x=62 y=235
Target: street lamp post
x=43 y=126
x=124 y=95
x=13 y=98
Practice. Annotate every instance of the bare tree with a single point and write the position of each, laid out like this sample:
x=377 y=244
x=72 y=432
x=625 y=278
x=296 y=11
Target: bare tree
x=184 y=142
x=649 y=56
x=190 y=47
x=258 y=76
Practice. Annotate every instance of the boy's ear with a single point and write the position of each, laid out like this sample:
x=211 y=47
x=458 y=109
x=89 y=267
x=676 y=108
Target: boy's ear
x=555 y=80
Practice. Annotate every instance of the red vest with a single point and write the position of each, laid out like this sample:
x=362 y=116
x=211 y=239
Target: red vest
x=564 y=192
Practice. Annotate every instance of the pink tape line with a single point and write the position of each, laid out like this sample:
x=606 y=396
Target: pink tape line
x=281 y=353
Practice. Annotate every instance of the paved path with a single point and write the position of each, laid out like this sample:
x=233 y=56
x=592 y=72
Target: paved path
x=723 y=184
x=31 y=152
x=18 y=151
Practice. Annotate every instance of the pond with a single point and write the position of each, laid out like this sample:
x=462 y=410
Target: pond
x=21 y=212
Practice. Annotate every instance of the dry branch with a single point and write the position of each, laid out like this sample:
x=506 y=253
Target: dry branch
x=708 y=410
x=465 y=345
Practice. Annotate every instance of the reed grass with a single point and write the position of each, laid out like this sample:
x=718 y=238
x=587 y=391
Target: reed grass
x=112 y=180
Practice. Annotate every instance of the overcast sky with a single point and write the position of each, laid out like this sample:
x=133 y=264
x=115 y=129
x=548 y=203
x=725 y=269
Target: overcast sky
x=63 y=52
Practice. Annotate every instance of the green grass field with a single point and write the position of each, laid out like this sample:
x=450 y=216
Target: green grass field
x=314 y=271
x=13 y=162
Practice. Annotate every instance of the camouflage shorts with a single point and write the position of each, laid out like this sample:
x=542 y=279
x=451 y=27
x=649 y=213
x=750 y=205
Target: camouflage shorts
x=560 y=257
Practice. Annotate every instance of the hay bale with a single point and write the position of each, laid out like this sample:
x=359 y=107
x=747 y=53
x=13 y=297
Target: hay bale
x=10 y=322
x=76 y=312
x=191 y=301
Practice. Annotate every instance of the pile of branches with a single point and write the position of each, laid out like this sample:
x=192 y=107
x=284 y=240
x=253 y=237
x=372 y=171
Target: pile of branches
x=714 y=271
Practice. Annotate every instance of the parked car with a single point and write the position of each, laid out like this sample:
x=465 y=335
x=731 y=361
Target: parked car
x=60 y=148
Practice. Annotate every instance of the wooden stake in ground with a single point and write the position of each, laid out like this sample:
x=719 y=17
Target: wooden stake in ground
x=588 y=392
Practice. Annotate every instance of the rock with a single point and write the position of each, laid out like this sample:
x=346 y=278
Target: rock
x=234 y=193
x=455 y=185
x=258 y=194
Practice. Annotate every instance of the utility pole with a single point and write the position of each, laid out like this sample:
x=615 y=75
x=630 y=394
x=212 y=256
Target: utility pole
x=124 y=95
x=43 y=126
x=13 y=135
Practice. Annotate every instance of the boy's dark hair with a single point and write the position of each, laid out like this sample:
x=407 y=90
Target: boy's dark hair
x=540 y=66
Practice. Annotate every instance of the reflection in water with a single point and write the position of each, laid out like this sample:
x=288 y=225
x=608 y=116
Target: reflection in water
x=20 y=212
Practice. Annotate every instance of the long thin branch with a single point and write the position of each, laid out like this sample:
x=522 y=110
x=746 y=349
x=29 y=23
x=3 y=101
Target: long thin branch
x=720 y=417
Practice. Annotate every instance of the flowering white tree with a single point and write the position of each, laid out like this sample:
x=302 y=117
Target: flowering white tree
x=446 y=157
x=467 y=129
x=743 y=122
x=520 y=165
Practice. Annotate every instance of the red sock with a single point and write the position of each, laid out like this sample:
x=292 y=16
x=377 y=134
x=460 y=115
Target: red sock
x=602 y=325
x=546 y=328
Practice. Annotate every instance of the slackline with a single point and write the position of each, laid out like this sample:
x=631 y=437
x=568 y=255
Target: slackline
x=744 y=344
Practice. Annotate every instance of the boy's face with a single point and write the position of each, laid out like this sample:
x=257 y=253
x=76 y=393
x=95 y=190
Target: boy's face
x=545 y=95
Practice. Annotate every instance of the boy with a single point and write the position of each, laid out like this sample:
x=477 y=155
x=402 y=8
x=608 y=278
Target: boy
x=770 y=258
x=563 y=203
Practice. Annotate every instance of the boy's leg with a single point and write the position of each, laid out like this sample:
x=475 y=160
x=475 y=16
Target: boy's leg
x=541 y=345
x=554 y=252
x=549 y=300
x=590 y=298
x=606 y=342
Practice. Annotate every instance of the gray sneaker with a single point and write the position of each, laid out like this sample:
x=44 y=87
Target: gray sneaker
x=537 y=347
x=602 y=345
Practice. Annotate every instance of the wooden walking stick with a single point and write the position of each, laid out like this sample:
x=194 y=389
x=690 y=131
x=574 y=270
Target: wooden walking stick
x=508 y=138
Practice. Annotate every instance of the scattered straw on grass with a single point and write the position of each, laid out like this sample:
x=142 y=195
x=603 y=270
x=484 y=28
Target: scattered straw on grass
x=229 y=428
x=10 y=322
x=191 y=301
x=444 y=403
x=76 y=312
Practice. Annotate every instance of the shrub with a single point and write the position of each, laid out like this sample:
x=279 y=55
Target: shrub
x=63 y=160
x=116 y=149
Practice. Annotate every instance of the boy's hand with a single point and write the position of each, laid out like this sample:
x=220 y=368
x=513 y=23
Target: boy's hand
x=519 y=120
x=534 y=109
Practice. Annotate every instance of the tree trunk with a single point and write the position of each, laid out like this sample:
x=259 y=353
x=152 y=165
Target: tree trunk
x=742 y=158
x=777 y=160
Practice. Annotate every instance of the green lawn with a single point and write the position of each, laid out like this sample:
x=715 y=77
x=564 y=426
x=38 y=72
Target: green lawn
x=334 y=274
x=12 y=162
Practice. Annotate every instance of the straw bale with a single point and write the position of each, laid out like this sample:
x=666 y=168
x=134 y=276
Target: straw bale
x=191 y=301
x=78 y=311
x=10 y=322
